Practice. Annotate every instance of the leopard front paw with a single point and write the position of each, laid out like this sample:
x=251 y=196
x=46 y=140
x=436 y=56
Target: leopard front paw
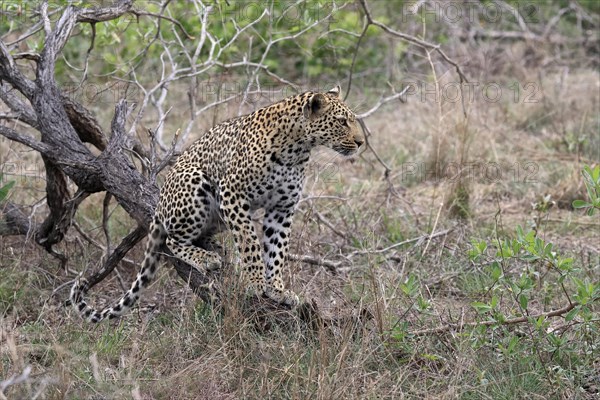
x=213 y=263
x=285 y=297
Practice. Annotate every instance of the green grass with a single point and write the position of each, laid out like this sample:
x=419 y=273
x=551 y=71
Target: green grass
x=187 y=349
x=11 y=290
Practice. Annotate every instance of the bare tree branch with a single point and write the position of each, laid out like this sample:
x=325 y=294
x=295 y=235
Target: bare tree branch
x=101 y=14
x=117 y=255
x=24 y=112
x=26 y=140
x=381 y=102
x=367 y=133
x=11 y=73
x=412 y=39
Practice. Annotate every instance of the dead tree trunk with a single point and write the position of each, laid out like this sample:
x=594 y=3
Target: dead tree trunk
x=64 y=126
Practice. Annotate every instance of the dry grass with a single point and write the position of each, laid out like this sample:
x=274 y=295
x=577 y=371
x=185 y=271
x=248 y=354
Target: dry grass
x=176 y=347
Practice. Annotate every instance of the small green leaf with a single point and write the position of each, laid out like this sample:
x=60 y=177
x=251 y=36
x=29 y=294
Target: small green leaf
x=572 y=314
x=498 y=316
x=481 y=308
x=512 y=344
x=596 y=174
x=580 y=204
x=564 y=264
x=523 y=301
x=520 y=234
x=5 y=189
x=556 y=341
x=548 y=250
x=496 y=272
x=494 y=302
x=539 y=322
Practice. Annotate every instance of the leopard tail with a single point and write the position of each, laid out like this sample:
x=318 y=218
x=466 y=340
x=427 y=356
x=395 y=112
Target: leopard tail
x=156 y=239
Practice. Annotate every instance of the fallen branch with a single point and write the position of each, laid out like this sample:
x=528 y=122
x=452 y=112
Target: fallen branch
x=330 y=265
x=15 y=222
x=489 y=34
x=14 y=380
x=421 y=238
x=519 y=320
x=328 y=223
x=117 y=255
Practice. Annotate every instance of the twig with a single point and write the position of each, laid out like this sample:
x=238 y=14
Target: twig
x=327 y=223
x=87 y=56
x=87 y=237
x=28 y=141
x=322 y=197
x=515 y=13
x=14 y=380
x=105 y=216
x=517 y=35
x=417 y=239
x=98 y=245
x=57 y=289
x=111 y=262
x=569 y=221
x=272 y=42
x=414 y=40
x=330 y=265
x=115 y=10
x=437 y=218
x=9 y=116
x=11 y=73
x=554 y=20
x=459 y=327
x=30 y=32
x=138 y=13
x=17 y=105
x=358 y=42
x=45 y=19
x=167 y=157
x=367 y=133
x=382 y=102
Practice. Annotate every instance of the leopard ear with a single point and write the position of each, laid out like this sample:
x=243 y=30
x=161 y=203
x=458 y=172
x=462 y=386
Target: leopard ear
x=316 y=105
x=336 y=91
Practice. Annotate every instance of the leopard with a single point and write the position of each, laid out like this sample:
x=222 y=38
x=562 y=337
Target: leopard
x=255 y=161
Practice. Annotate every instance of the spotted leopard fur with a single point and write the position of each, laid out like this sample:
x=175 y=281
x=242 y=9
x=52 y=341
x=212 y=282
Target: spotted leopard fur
x=243 y=164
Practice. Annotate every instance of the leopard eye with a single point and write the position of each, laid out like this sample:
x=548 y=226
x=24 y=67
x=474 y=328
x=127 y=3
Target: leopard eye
x=343 y=120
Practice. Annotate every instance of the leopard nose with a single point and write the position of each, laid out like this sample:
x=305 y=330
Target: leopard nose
x=359 y=141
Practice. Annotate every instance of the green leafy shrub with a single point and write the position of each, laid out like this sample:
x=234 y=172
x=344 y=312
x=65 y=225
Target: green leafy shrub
x=5 y=189
x=591 y=178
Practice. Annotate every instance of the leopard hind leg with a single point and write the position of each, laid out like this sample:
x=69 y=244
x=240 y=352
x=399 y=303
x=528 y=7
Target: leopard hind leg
x=192 y=221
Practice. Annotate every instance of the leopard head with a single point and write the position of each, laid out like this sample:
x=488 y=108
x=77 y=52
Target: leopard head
x=331 y=123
